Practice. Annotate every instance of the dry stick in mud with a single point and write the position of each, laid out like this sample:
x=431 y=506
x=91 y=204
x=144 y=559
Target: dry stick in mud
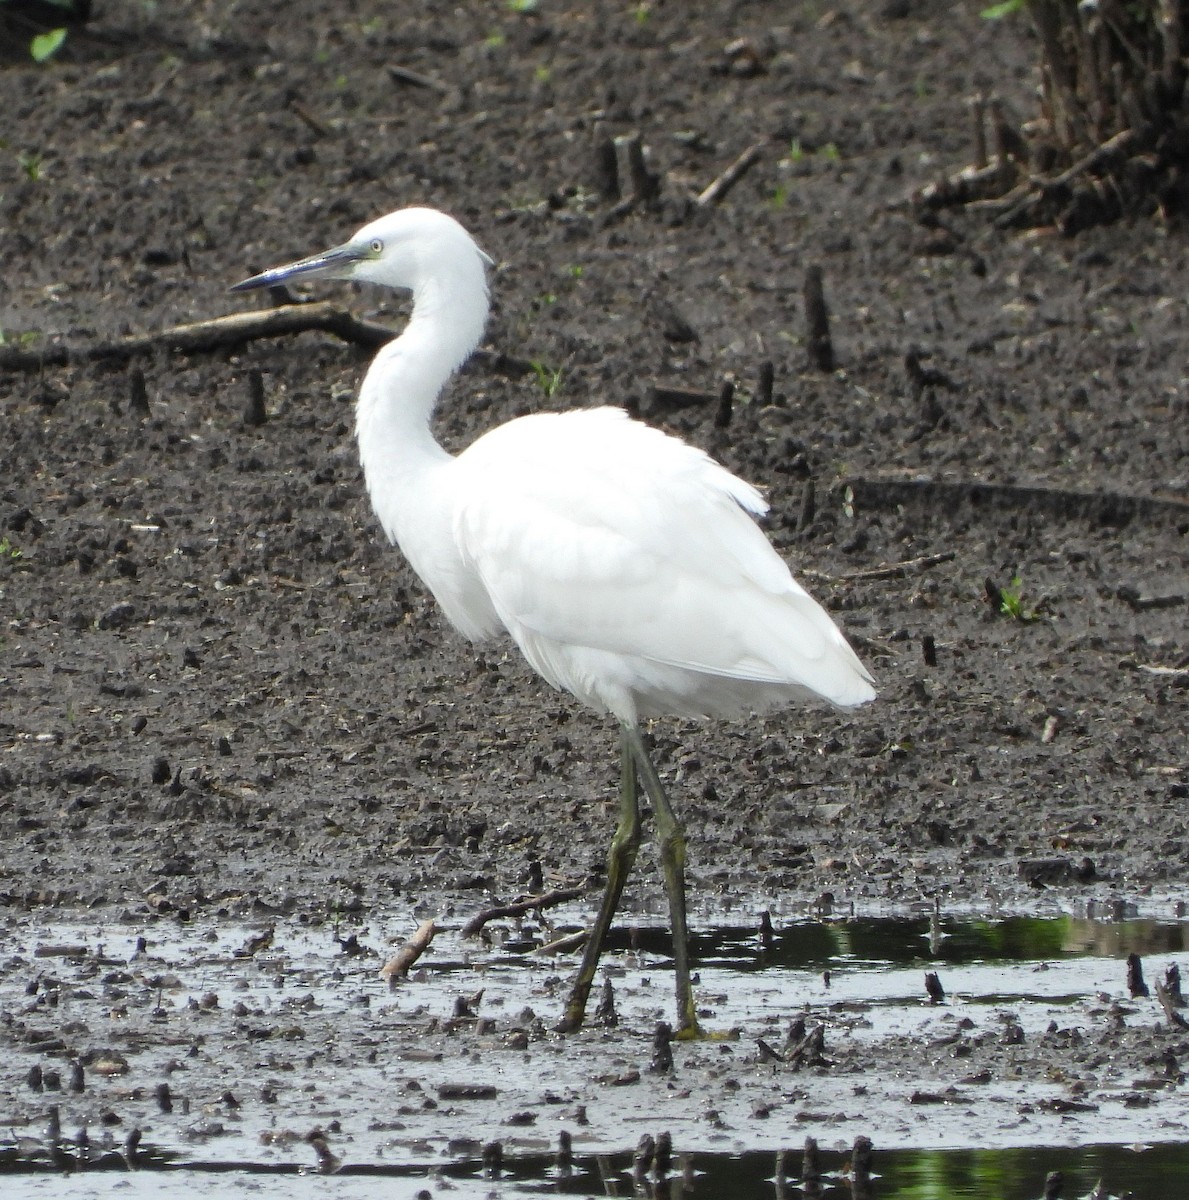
x=718 y=189
x=234 y=329
x=893 y=570
x=398 y=965
x=519 y=907
x=819 y=348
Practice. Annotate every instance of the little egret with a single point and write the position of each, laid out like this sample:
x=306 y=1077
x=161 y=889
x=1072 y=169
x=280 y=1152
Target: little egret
x=625 y=564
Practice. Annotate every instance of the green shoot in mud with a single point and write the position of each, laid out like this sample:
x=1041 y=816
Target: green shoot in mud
x=550 y=380
x=1007 y=8
x=45 y=45
x=31 y=165
x=8 y=550
x=1011 y=602
x=24 y=340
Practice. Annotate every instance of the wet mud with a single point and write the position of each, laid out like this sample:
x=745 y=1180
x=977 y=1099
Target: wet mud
x=227 y=706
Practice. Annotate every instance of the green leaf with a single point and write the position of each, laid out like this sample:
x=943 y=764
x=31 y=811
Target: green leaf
x=46 y=45
x=1004 y=9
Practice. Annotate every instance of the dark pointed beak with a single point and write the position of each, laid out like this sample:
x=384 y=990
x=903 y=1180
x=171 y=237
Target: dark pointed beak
x=330 y=264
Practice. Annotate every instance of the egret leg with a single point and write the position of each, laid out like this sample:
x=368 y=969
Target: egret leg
x=620 y=857
x=671 y=840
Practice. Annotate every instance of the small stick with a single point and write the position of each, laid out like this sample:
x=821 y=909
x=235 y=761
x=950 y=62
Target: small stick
x=808 y=506
x=565 y=944
x=722 y=414
x=860 y=1160
x=1135 y=976
x=929 y=650
x=662 y=1052
x=910 y=566
x=397 y=967
x=605 y=1014
x=138 y=394
x=606 y=166
x=767 y=934
x=254 y=412
x=718 y=189
x=308 y=119
x=519 y=907
x=416 y=79
x=1168 y=1003
x=1172 y=981
x=817 y=319
x=662 y=1159
x=933 y=987
x=767 y=377
x=493 y=1159
x=645 y=185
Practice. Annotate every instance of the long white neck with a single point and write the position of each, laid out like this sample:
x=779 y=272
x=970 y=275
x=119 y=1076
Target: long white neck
x=399 y=392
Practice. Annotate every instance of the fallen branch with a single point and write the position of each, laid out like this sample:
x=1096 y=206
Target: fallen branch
x=235 y=329
x=896 y=570
x=519 y=907
x=564 y=945
x=1099 y=508
x=718 y=189
x=1175 y=1020
x=1176 y=674
x=416 y=79
x=397 y=967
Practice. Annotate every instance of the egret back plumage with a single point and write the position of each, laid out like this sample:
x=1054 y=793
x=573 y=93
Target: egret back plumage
x=626 y=565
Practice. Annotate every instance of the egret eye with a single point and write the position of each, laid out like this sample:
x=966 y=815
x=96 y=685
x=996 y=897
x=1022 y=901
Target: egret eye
x=377 y=246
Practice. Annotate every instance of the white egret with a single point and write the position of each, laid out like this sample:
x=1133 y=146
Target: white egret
x=625 y=564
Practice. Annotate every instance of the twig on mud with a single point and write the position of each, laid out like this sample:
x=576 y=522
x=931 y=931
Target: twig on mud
x=308 y=119
x=563 y=945
x=1174 y=674
x=416 y=79
x=719 y=187
x=397 y=967
x=519 y=907
x=948 y=495
x=1175 y=1020
x=235 y=329
x=910 y=566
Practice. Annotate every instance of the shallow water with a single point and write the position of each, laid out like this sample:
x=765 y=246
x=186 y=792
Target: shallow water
x=200 y=1011
x=1155 y=1172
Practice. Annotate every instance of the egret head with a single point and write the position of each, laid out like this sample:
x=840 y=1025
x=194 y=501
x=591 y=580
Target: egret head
x=405 y=249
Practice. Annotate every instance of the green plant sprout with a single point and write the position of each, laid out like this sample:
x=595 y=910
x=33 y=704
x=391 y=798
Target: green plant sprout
x=8 y=550
x=1011 y=602
x=45 y=45
x=550 y=380
x=996 y=12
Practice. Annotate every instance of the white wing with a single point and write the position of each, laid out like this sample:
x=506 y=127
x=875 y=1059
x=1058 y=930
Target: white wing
x=624 y=564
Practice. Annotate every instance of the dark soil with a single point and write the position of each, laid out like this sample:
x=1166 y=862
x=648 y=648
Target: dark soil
x=222 y=694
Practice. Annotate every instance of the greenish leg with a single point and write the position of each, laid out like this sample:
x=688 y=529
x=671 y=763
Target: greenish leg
x=671 y=839
x=621 y=856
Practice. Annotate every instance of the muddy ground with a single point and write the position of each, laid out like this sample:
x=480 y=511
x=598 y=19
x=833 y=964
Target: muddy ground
x=224 y=699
